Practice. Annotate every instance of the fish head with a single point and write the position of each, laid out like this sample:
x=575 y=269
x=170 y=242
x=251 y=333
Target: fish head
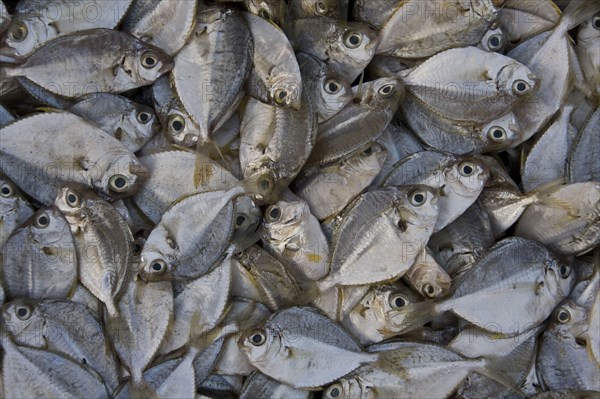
x=146 y=64
x=501 y=133
x=369 y=161
x=383 y=93
x=284 y=219
x=10 y=197
x=122 y=176
x=495 y=39
x=180 y=129
x=260 y=346
x=137 y=126
x=517 y=80
x=270 y=10
x=335 y=92
x=262 y=182
x=467 y=176
x=348 y=388
x=558 y=278
x=48 y=225
x=286 y=92
x=419 y=206
x=570 y=320
x=21 y=319
x=353 y=46
x=73 y=200
x=429 y=278
x=323 y=8
x=24 y=35
x=158 y=261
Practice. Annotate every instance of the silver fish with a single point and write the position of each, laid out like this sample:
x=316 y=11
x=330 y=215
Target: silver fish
x=14 y=209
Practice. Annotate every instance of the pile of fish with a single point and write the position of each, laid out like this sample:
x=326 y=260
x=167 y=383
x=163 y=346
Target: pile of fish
x=300 y=199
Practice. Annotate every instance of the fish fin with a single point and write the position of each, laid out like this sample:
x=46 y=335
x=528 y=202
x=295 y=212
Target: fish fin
x=358 y=95
x=502 y=369
x=414 y=316
x=43 y=95
x=577 y=12
x=543 y=195
x=143 y=390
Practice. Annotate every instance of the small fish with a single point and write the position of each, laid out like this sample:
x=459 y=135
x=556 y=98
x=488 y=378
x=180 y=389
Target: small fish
x=495 y=39
x=14 y=209
x=583 y=164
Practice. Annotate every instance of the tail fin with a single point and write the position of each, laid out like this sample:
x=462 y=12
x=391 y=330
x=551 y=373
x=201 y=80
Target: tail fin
x=543 y=195
x=577 y=12
x=45 y=96
x=414 y=316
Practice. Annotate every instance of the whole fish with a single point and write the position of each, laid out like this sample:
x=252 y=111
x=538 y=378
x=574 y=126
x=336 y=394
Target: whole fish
x=522 y=271
x=101 y=60
x=296 y=337
x=67 y=149
x=39 y=259
x=14 y=209
x=34 y=24
x=103 y=242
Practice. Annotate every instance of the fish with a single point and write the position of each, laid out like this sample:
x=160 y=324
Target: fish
x=272 y=10
x=5 y=18
x=541 y=17
x=39 y=259
x=106 y=60
x=91 y=157
x=587 y=52
x=259 y=385
x=427 y=277
x=495 y=39
x=14 y=209
x=296 y=336
x=299 y=9
x=582 y=164
x=375 y=13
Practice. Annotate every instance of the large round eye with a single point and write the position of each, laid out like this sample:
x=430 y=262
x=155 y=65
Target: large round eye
x=428 y=290
x=563 y=315
x=352 y=39
x=258 y=338
x=23 y=312
x=72 y=199
x=239 y=220
x=264 y=14
x=596 y=22
x=149 y=60
x=280 y=96
x=42 y=220
x=321 y=8
x=368 y=151
x=119 y=183
x=417 y=197
x=144 y=117
x=521 y=87
x=386 y=91
x=494 y=42
x=176 y=123
x=564 y=271
x=6 y=190
x=334 y=391
x=497 y=134
x=397 y=301
x=18 y=32
x=158 y=266
x=273 y=213
x=331 y=86
x=466 y=169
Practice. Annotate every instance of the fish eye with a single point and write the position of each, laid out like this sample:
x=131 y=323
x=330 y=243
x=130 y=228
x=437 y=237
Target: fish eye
x=386 y=91
x=23 y=312
x=321 y=8
x=495 y=42
x=563 y=315
x=428 y=290
x=596 y=22
x=72 y=199
x=239 y=220
x=42 y=221
x=352 y=39
x=144 y=117
x=6 y=191
x=18 y=32
x=466 y=169
x=564 y=271
x=368 y=151
x=258 y=338
x=264 y=14
x=158 y=266
x=119 y=183
x=397 y=301
x=334 y=391
x=273 y=213
x=280 y=96
x=177 y=123
x=418 y=197
x=521 y=87
x=149 y=60
x=497 y=134
x=332 y=87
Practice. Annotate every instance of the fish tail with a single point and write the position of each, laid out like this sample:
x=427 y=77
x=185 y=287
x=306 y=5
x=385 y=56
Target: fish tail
x=577 y=12
x=244 y=238
x=414 y=316
x=506 y=369
x=543 y=195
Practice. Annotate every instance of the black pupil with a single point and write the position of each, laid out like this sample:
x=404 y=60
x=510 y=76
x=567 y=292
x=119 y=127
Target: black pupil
x=177 y=125
x=399 y=302
x=22 y=312
x=429 y=289
x=335 y=392
x=563 y=270
x=563 y=316
x=150 y=61
x=264 y=14
x=72 y=198
x=157 y=266
x=354 y=40
x=239 y=220
x=282 y=94
x=119 y=182
x=274 y=213
x=333 y=87
x=144 y=117
x=597 y=22
x=497 y=133
x=419 y=198
x=43 y=220
x=521 y=86
x=257 y=338
x=5 y=190
x=494 y=41
x=386 y=89
x=264 y=184
x=368 y=151
x=468 y=170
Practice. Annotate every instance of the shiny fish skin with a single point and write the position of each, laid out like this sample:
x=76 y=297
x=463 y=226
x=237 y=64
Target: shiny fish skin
x=5 y=18
x=582 y=164
x=14 y=209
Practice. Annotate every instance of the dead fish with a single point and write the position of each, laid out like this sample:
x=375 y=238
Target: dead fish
x=258 y=385
x=522 y=19
x=5 y=18
x=14 y=209
x=102 y=60
x=298 y=9
x=582 y=164
x=39 y=258
x=587 y=51
x=427 y=277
